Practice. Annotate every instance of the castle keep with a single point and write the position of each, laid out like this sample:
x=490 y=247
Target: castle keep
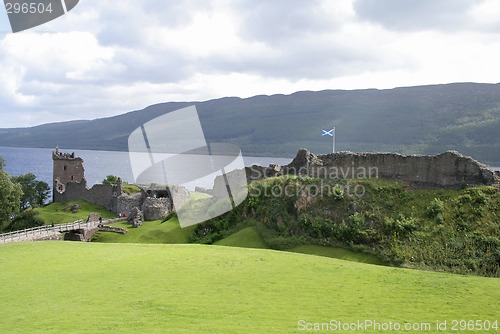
x=67 y=168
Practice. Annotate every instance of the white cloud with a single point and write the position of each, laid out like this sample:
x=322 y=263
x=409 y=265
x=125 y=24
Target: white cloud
x=104 y=58
x=486 y=15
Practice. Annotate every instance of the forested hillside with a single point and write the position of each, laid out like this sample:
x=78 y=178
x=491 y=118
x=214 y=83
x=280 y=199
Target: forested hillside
x=424 y=120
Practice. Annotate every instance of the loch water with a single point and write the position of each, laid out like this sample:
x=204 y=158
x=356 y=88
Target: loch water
x=97 y=164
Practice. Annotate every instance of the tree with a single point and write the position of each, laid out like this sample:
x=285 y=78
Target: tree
x=35 y=192
x=110 y=179
x=43 y=191
x=24 y=220
x=10 y=197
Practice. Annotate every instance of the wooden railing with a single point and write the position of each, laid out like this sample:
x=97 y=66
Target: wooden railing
x=39 y=232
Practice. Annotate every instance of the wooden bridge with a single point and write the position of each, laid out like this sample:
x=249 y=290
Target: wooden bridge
x=49 y=232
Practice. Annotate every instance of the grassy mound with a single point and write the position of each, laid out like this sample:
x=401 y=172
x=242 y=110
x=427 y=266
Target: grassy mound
x=152 y=232
x=58 y=287
x=433 y=229
x=60 y=212
x=170 y=232
x=247 y=237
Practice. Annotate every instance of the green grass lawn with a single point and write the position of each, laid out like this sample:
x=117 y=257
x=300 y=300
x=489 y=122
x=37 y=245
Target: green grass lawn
x=55 y=213
x=151 y=232
x=247 y=237
x=62 y=287
x=338 y=253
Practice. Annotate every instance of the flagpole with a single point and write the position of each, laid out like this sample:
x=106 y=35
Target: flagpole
x=333 y=140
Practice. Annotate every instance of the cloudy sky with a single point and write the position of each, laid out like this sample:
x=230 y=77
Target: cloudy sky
x=103 y=59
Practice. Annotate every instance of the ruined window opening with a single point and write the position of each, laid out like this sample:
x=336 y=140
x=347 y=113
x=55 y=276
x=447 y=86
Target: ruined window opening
x=72 y=178
x=65 y=167
x=163 y=193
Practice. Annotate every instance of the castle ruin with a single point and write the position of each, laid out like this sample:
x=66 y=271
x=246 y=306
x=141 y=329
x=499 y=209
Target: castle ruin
x=69 y=184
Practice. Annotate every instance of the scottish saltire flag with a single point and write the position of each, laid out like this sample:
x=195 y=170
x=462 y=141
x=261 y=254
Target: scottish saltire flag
x=327 y=132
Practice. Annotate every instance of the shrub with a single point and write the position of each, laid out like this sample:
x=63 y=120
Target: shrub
x=435 y=209
x=338 y=192
x=24 y=220
x=478 y=197
x=402 y=225
x=110 y=179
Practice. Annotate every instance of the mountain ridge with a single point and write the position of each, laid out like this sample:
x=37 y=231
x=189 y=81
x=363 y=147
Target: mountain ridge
x=411 y=120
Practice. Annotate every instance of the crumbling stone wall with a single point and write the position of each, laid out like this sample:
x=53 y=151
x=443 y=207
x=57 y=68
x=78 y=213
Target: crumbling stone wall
x=155 y=208
x=126 y=202
x=181 y=196
x=231 y=179
x=53 y=236
x=102 y=194
x=81 y=234
x=106 y=228
x=446 y=170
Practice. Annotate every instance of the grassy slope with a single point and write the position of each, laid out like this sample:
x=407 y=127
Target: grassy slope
x=81 y=287
x=55 y=213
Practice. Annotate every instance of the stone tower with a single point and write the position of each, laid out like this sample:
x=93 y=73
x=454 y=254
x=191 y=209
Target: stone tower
x=67 y=168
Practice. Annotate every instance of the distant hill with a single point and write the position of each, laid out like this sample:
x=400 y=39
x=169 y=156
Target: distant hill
x=421 y=120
